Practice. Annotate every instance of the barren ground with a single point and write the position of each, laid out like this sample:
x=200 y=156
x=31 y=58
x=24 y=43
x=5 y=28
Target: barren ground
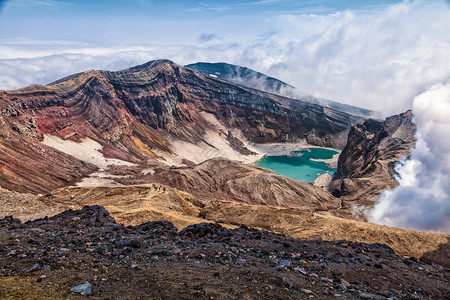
x=47 y=258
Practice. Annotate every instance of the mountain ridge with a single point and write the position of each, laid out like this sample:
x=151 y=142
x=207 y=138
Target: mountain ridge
x=157 y=110
x=254 y=79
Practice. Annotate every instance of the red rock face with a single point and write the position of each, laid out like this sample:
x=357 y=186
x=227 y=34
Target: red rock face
x=28 y=166
x=133 y=112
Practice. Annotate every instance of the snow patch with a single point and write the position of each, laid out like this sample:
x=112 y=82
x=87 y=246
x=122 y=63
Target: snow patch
x=150 y=171
x=88 y=151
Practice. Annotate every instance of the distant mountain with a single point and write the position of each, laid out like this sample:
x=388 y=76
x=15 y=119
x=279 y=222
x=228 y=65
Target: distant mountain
x=253 y=79
x=243 y=76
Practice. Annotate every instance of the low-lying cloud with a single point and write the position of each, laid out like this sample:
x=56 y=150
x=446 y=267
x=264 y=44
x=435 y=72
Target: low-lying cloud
x=422 y=199
x=378 y=59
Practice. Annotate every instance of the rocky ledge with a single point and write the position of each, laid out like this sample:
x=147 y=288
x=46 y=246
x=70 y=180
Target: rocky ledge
x=366 y=165
x=86 y=252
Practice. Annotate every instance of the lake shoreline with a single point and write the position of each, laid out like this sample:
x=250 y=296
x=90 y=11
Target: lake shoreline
x=280 y=149
x=311 y=163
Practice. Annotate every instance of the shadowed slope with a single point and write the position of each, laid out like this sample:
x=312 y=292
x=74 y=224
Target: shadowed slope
x=366 y=164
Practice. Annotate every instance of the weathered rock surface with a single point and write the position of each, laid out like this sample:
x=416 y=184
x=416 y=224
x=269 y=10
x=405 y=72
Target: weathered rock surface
x=219 y=179
x=201 y=261
x=139 y=113
x=323 y=181
x=29 y=166
x=374 y=142
x=253 y=79
x=366 y=164
x=138 y=204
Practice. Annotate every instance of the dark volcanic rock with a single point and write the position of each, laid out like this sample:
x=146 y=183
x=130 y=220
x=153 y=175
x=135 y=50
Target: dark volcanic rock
x=204 y=259
x=9 y=220
x=253 y=79
x=82 y=289
x=94 y=215
x=201 y=230
x=157 y=227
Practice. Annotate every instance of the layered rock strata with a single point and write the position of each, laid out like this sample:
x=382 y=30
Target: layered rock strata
x=149 y=112
x=366 y=165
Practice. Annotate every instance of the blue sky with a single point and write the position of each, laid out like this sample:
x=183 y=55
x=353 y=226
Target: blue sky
x=103 y=21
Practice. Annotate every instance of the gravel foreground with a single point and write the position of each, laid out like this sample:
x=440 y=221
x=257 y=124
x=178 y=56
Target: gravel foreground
x=85 y=253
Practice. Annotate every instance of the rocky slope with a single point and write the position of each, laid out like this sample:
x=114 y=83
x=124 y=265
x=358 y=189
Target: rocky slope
x=243 y=76
x=253 y=79
x=49 y=258
x=137 y=204
x=219 y=179
x=366 y=164
x=158 y=110
x=29 y=166
x=307 y=225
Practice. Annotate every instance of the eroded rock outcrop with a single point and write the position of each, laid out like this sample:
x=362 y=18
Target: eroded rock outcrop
x=147 y=112
x=217 y=179
x=366 y=164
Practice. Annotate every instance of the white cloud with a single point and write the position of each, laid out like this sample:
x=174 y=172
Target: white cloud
x=372 y=60
x=377 y=59
x=19 y=72
x=422 y=199
x=206 y=7
x=34 y=3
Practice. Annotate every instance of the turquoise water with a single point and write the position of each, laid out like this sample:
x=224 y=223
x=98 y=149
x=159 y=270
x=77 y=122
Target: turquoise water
x=299 y=166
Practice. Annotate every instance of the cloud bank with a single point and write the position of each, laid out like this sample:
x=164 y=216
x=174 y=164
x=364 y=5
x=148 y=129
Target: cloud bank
x=422 y=199
x=378 y=59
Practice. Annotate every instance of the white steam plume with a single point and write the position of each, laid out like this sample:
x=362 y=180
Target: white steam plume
x=422 y=199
